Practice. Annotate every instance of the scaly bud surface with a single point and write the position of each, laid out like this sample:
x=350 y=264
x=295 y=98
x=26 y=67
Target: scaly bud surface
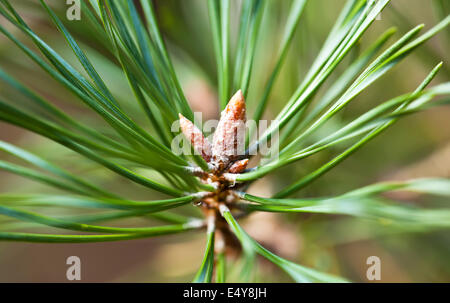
x=195 y=136
x=229 y=137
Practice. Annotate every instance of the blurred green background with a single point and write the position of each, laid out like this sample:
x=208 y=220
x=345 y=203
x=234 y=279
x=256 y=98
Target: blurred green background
x=418 y=146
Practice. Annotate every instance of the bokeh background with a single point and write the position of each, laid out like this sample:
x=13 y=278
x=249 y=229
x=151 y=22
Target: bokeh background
x=417 y=146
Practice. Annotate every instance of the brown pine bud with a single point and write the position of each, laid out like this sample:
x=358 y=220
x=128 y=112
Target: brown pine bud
x=238 y=166
x=229 y=137
x=195 y=136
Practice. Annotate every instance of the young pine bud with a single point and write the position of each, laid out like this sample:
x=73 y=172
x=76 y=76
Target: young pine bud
x=229 y=137
x=195 y=136
x=238 y=166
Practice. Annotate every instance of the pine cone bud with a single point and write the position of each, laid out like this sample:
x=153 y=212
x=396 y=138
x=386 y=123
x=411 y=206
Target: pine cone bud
x=195 y=136
x=229 y=137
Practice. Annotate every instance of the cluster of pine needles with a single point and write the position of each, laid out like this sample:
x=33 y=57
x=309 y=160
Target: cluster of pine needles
x=212 y=178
